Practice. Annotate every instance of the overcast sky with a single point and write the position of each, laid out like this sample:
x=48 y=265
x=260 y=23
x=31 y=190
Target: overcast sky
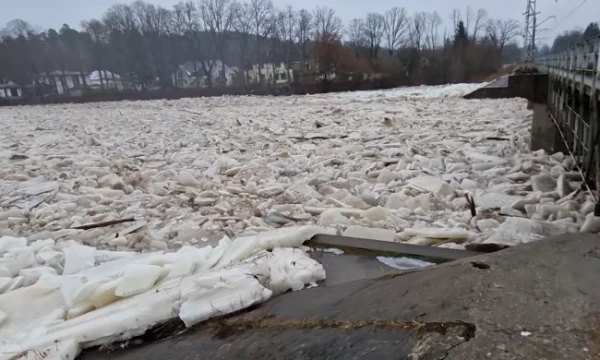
x=569 y=13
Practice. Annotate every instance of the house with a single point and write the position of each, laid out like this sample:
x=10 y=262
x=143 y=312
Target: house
x=73 y=82
x=10 y=90
x=271 y=73
x=63 y=81
x=309 y=72
x=191 y=74
x=104 y=78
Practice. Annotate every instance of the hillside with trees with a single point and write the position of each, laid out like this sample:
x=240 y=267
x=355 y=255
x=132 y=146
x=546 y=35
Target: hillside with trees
x=144 y=43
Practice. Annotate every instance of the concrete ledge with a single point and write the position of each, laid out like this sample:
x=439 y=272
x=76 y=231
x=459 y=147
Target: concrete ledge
x=536 y=301
x=533 y=87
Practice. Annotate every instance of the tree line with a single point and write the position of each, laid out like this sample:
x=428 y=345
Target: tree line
x=144 y=43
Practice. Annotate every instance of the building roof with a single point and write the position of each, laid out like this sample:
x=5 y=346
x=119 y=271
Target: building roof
x=95 y=75
x=66 y=72
x=189 y=66
x=9 y=85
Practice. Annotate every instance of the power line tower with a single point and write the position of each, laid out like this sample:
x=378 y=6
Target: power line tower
x=530 y=29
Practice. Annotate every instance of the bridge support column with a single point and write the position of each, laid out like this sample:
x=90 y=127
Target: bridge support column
x=544 y=134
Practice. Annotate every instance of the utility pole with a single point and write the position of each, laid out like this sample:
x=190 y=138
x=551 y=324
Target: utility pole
x=530 y=29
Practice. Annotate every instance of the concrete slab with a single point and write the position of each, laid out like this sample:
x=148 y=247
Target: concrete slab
x=535 y=301
x=499 y=83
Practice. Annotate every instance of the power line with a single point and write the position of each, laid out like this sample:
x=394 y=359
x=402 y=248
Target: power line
x=569 y=14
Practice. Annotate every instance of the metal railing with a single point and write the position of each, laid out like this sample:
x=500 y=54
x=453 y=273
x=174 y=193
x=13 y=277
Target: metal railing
x=573 y=103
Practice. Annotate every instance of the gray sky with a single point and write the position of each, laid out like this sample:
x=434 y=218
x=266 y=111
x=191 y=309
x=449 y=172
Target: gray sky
x=53 y=13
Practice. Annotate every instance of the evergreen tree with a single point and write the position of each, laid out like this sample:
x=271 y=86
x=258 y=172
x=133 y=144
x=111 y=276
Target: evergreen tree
x=461 y=37
x=591 y=31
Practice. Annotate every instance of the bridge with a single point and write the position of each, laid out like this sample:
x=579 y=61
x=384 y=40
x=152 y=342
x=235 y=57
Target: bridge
x=573 y=96
x=564 y=91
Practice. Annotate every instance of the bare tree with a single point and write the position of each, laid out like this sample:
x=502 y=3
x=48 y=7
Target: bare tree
x=218 y=17
x=480 y=23
x=432 y=26
x=417 y=30
x=468 y=19
x=243 y=29
x=474 y=22
x=287 y=22
x=129 y=52
x=154 y=22
x=456 y=18
x=151 y=19
x=326 y=22
x=274 y=45
x=199 y=51
x=261 y=12
x=303 y=35
x=356 y=34
x=395 y=27
x=120 y=17
x=97 y=33
x=373 y=29
x=17 y=27
x=501 y=32
x=178 y=20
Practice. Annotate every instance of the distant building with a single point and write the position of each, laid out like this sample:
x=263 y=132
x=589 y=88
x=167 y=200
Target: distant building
x=271 y=73
x=104 y=78
x=309 y=72
x=10 y=90
x=73 y=82
x=191 y=74
x=63 y=81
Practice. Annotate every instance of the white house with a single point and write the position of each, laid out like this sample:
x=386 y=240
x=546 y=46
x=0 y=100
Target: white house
x=10 y=90
x=191 y=74
x=272 y=73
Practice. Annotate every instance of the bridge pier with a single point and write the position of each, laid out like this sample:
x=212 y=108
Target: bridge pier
x=544 y=133
x=535 y=88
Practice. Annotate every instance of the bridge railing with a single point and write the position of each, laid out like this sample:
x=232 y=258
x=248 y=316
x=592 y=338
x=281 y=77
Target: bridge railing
x=573 y=102
x=583 y=57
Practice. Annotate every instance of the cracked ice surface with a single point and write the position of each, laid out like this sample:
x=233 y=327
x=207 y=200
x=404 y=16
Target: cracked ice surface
x=193 y=170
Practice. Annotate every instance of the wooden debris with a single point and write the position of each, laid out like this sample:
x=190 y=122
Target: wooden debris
x=471 y=203
x=103 y=224
x=497 y=138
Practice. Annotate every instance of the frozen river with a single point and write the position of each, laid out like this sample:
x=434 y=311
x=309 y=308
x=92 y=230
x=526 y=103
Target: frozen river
x=397 y=165
x=196 y=169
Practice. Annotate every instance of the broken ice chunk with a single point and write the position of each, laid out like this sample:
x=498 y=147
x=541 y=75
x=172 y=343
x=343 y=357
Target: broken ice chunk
x=543 y=183
x=77 y=258
x=404 y=263
x=9 y=242
x=137 y=279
